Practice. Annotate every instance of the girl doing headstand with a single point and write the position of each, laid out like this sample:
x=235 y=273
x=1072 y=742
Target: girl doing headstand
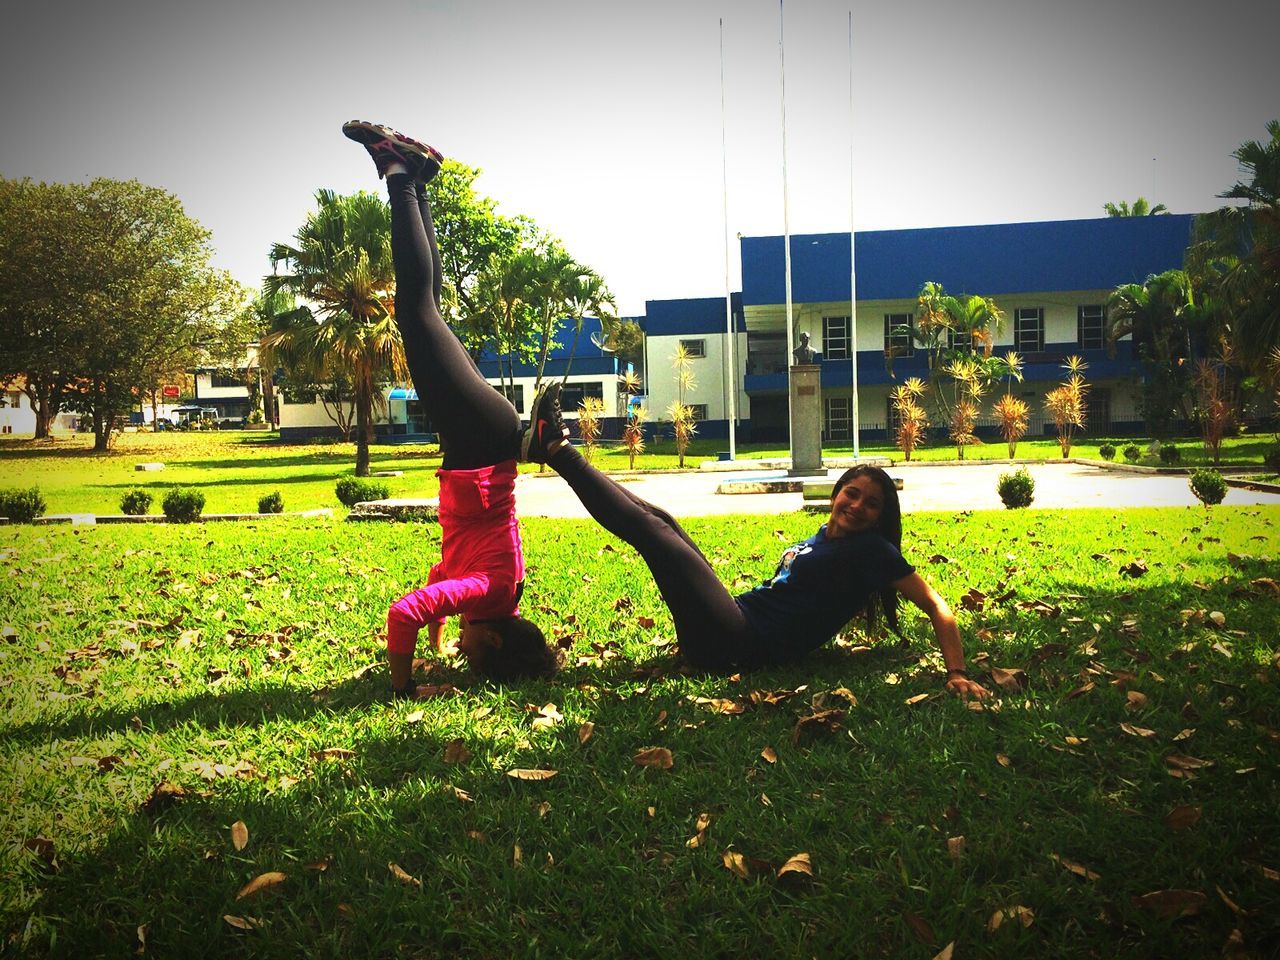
x=480 y=576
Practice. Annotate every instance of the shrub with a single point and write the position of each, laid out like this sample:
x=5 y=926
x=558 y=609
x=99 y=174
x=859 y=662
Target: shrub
x=1107 y=451
x=1208 y=486
x=1271 y=459
x=1169 y=453
x=21 y=506
x=1132 y=453
x=1016 y=489
x=271 y=503
x=353 y=490
x=182 y=505
x=136 y=502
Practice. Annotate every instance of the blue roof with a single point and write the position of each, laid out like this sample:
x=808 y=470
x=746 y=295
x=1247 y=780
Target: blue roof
x=989 y=260
x=665 y=318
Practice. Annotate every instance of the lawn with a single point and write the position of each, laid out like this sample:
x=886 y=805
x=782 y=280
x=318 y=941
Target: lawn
x=235 y=468
x=200 y=760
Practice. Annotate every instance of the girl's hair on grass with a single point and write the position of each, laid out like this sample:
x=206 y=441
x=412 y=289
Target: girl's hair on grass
x=524 y=652
x=890 y=527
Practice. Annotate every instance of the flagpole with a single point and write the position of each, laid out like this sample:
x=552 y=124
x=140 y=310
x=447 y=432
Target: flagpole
x=731 y=378
x=853 y=273
x=786 y=232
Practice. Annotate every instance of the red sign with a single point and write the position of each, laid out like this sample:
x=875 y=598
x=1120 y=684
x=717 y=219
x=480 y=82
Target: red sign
x=174 y=392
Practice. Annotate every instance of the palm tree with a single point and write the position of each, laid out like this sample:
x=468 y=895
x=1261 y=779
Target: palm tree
x=1140 y=208
x=340 y=267
x=586 y=293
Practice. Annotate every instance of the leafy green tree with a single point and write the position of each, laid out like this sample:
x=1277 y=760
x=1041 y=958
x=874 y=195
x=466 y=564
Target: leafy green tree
x=1141 y=208
x=122 y=296
x=340 y=262
x=1235 y=253
x=586 y=294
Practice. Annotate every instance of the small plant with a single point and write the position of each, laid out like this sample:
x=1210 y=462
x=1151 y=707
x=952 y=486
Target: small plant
x=271 y=503
x=1107 y=451
x=1012 y=412
x=1067 y=404
x=1208 y=486
x=589 y=413
x=182 y=505
x=1271 y=459
x=1133 y=453
x=913 y=422
x=683 y=427
x=633 y=434
x=256 y=416
x=353 y=490
x=136 y=502
x=1016 y=489
x=1169 y=454
x=21 y=506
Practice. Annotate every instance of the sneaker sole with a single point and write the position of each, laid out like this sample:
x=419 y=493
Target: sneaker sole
x=365 y=133
x=526 y=441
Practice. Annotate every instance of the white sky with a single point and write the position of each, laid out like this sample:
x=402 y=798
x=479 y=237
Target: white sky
x=601 y=120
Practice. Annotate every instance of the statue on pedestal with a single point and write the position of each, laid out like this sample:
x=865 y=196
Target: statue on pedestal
x=804 y=353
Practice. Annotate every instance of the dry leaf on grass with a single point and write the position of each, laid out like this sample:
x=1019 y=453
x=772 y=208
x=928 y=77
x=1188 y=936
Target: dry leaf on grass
x=241 y=923
x=585 y=731
x=769 y=754
x=455 y=751
x=163 y=796
x=524 y=774
x=920 y=927
x=1024 y=914
x=400 y=874
x=659 y=757
x=1178 y=761
x=263 y=881
x=1182 y=817
x=1133 y=731
x=945 y=952
x=1009 y=679
x=1079 y=869
x=796 y=866
x=1172 y=903
x=955 y=847
x=239 y=835
x=333 y=753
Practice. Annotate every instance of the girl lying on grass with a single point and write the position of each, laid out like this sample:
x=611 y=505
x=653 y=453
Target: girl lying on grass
x=852 y=564
x=480 y=576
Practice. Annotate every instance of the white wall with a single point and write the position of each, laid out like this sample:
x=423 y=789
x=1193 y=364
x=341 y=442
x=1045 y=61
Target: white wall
x=708 y=374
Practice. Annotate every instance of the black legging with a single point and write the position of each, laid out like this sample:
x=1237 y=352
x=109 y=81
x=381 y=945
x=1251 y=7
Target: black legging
x=478 y=426
x=712 y=632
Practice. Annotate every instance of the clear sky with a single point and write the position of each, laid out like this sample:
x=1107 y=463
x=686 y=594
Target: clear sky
x=602 y=120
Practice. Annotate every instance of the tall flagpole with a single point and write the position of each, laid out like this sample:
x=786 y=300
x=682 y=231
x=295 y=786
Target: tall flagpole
x=786 y=232
x=853 y=273
x=731 y=377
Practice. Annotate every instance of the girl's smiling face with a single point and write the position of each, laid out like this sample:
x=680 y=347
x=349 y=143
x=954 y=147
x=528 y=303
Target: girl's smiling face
x=856 y=507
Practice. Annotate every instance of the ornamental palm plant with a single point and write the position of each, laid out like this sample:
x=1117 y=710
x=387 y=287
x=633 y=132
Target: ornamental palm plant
x=1012 y=414
x=683 y=427
x=589 y=413
x=340 y=268
x=1067 y=404
x=912 y=420
x=633 y=434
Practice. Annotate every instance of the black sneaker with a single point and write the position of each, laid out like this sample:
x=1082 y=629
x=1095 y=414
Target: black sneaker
x=546 y=425
x=388 y=146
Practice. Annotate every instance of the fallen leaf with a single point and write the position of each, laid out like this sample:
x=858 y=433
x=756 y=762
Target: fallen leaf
x=1133 y=731
x=399 y=873
x=912 y=701
x=415 y=717
x=1172 y=903
x=828 y=721
x=735 y=863
x=645 y=623
x=242 y=923
x=796 y=866
x=142 y=939
x=1080 y=691
x=920 y=927
x=543 y=808
x=549 y=715
x=1011 y=679
x=318 y=866
x=955 y=847
x=239 y=835
x=1079 y=869
x=1218 y=618
x=585 y=731
x=1180 y=761
x=263 y=881
x=1003 y=760
x=163 y=796
x=945 y=952
x=455 y=751
x=1025 y=914
x=333 y=753
x=462 y=795
x=1182 y=817
x=1184 y=734
x=1136 y=700
x=1134 y=569
x=769 y=754
x=523 y=774
x=659 y=757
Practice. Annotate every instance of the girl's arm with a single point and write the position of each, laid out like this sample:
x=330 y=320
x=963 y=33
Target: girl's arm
x=918 y=590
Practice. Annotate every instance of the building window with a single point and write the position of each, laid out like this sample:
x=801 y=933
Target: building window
x=514 y=393
x=298 y=397
x=572 y=394
x=14 y=399
x=694 y=348
x=222 y=378
x=835 y=338
x=1028 y=330
x=837 y=418
x=1090 y=320
x=766 y=352
x=959 y=339
x=698 y=411
x=1098 y=413
x=897 y=334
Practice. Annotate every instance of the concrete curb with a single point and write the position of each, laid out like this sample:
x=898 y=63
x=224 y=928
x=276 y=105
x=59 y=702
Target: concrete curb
x=90 y=520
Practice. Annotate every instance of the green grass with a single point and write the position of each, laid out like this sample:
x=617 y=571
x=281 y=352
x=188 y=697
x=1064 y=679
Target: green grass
x=235 y=468
x=132 y=656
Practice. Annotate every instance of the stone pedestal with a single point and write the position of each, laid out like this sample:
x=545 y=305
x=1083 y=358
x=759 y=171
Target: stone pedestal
x=806 y=418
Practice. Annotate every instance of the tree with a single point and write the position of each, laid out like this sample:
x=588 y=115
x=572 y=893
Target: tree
x=1235 y=253
x=107 y=290
x=1162 y=316
x=1140 y=208
x=340 y=263
x=1068 y=405
x=586 y=293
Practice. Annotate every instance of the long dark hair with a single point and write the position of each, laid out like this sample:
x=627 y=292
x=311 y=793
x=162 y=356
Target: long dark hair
x=888 y=526
x=524 y=652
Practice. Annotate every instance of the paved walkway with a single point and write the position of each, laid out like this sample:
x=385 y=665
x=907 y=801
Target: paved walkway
x=925 y=487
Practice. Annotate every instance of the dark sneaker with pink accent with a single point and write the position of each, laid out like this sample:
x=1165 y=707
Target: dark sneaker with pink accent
x=546 y=425
x=388 y=146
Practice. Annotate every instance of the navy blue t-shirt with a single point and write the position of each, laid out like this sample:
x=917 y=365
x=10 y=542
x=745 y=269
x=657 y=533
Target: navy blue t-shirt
x=819 y=586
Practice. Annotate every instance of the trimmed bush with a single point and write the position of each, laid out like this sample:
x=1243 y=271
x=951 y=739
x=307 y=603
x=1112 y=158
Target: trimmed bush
x=1271 y=459
x=1208 y=486
x=1169 y=453
x=353 y=490
x=182 y=505
x=1132 y=453
x=1107 y=451
x=135 y=503
x=1016 y=489
x=271 y=503
x=21 y=506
